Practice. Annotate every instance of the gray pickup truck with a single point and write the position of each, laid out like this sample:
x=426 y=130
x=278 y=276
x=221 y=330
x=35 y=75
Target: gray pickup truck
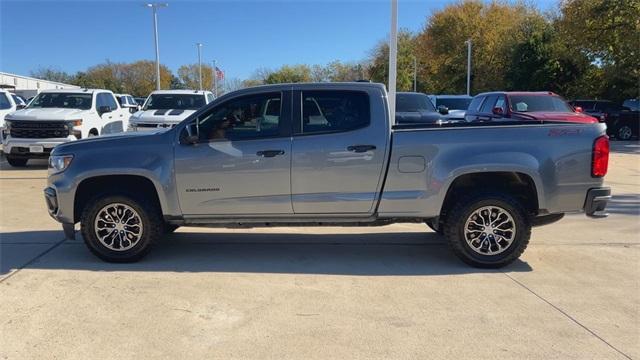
x=328 y=154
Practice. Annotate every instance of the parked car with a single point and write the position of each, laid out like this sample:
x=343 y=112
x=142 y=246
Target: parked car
x=127 y=102
x=632 y=104
x=621 y=121
x=523 y=106
x=54 y=117
x=484 y=187
x=8 y=104
x=166 y=108
x=414 y=107
x=452 y=107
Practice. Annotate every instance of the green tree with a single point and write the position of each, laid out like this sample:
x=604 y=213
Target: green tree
x=290 y=74
x=378 y=69
x=52 y=74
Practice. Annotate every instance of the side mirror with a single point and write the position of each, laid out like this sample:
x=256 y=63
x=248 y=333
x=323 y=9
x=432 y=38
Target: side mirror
x=103 y=109
x=578 y=109
x=443 y=110
x=497 y=111
x=190 y=134
x=132 y=110
x=20 y=107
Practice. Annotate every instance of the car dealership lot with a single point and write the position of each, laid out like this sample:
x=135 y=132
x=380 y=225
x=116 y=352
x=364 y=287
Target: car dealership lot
x=395 y=292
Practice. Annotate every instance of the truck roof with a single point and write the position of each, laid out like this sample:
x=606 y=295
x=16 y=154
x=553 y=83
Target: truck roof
x=309 y=86
x=74 y=91
x=538 y=93
x=198 y=92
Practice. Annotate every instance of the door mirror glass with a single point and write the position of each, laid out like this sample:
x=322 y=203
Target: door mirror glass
x=103 y=109
x=443 y=110
x=578 y=109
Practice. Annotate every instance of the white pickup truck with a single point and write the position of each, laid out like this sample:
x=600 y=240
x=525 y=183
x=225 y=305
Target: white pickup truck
x=166 y=108
x=54 y=117
x=8 y=103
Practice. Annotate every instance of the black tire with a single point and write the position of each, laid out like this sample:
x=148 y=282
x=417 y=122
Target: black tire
x=150 y=218
x=624 y=132
x=17 y=162
x=463 y=210
x=169 y=228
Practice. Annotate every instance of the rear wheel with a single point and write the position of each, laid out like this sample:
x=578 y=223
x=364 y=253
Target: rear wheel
x=488 y=230
x=120 y=228
x=17 y=162
x=624 y=132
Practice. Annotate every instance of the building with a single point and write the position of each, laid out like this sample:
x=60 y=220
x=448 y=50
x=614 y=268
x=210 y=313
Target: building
x=27 y=86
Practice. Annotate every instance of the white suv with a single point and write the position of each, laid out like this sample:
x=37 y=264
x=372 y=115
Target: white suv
x=57 y=116
x=166 y=108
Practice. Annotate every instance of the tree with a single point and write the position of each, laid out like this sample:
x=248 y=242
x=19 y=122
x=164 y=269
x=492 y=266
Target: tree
x=139 y=78
x=52 y=74
x=609 y=38
x=379 y=61
x=189 y=76
x=290 y=74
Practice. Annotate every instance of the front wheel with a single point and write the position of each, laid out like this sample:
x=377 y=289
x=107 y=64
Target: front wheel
x=120 y=228
x=488 y=230
x=624 y=132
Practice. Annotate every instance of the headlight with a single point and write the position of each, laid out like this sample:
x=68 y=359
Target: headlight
x=73 y=123
x=58 y=164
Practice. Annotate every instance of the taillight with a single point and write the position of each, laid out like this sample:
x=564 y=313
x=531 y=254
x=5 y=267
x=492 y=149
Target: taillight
x=600 y=162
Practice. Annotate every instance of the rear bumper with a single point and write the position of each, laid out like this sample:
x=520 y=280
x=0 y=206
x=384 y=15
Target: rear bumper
x=596 y=202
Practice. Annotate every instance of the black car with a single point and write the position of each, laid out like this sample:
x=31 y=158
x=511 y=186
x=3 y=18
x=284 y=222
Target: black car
x=415 y=108
x=622 y=122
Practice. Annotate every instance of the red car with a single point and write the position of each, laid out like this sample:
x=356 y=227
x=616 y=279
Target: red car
x=543 y=106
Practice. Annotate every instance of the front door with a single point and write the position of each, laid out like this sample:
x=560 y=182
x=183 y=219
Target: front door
x=242 y=163
x=339 y=151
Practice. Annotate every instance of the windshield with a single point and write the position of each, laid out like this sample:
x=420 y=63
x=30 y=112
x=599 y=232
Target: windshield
x=174 y=101
x=532 y=103
x=413 y=103
x=62 y=100
x=454 y=103
x=4 y=102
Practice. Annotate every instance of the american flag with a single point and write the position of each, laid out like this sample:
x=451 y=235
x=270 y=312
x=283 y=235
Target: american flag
x=219 y=73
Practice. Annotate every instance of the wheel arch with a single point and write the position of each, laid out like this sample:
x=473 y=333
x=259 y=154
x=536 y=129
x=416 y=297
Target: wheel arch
x=137 y=185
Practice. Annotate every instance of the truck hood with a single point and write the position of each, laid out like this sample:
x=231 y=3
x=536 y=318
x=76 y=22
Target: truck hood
x=415 y=117
x=104 y=141
x=557 y=116
x=56 y=114
x=169 y=116
x=455 y=114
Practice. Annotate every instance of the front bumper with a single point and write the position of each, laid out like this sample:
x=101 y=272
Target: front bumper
x=596 y=202
x=51 y=199
x=19 y=147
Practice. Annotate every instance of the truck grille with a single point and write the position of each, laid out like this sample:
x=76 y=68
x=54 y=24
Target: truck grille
x=39 y=129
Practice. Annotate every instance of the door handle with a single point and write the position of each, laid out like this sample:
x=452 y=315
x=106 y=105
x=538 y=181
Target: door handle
x=270 y=153
x=361 y=148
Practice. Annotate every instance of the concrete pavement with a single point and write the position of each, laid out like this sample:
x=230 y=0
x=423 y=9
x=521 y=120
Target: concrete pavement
x=321 y=293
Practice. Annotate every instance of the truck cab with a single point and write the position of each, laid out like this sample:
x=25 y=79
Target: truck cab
x=55 y=117
x=163 y=109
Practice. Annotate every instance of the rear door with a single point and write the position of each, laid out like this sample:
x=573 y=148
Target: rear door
x=340 y=146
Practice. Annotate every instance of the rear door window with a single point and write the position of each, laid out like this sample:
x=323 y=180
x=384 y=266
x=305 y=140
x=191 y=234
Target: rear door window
x=326 y=111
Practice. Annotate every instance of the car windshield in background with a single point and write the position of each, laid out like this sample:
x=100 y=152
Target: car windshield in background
x=413 y=103
x=454 y=104
x=533 y=103
x=175 y=101
x=4 y=102
x=62 y=100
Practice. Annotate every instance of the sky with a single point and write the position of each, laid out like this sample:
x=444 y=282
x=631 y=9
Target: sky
x=241 y=36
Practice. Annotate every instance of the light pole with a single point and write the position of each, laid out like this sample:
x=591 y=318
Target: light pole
x=393 y=58
x=415 y=74
x=468 y=42
x=154 y=7
x=199 y=45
